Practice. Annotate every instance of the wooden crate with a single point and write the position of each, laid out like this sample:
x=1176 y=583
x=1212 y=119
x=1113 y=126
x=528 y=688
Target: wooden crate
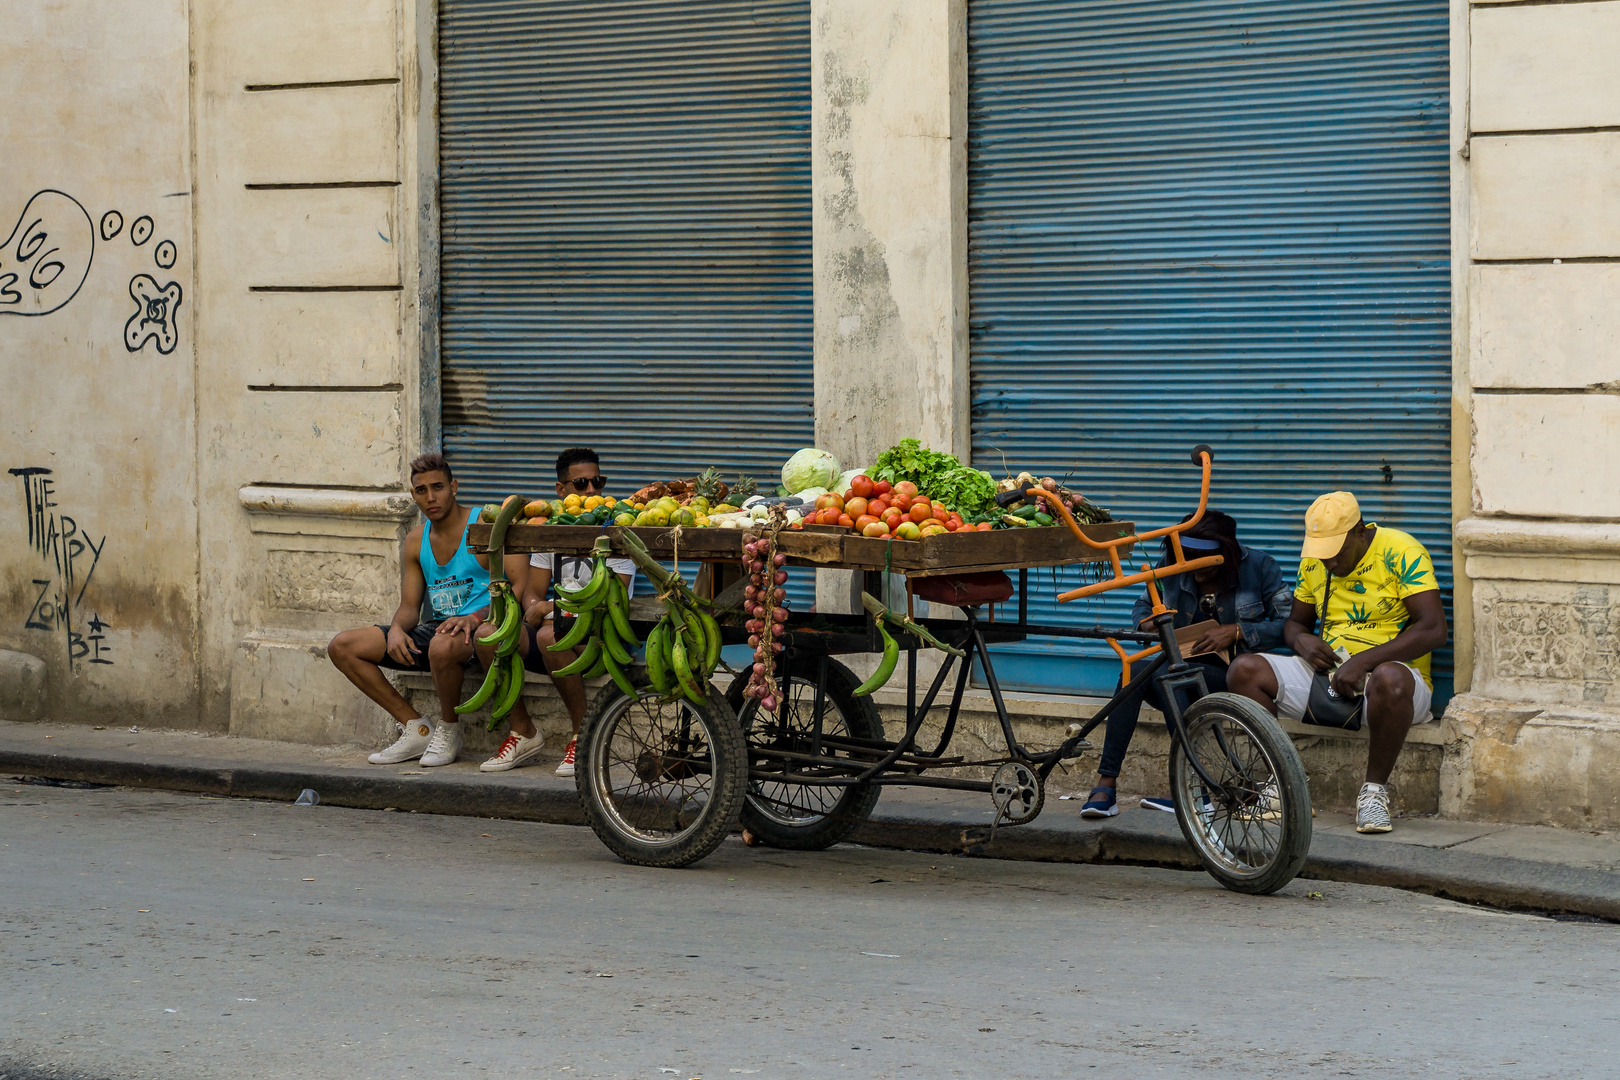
x=829 y=546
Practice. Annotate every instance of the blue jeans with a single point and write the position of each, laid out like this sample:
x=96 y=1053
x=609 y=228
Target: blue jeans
x=1121 y=723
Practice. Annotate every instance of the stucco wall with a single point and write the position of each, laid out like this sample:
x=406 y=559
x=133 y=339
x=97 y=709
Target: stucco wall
x=98 y=531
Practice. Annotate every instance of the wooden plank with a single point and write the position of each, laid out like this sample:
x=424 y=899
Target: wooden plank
x=1029 y=547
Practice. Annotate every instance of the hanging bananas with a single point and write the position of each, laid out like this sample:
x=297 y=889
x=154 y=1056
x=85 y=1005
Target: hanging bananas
x=503 y=682
x=601 y=610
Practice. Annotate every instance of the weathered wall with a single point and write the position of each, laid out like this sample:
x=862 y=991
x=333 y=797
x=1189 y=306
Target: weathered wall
x=98 y=531
x=889 y=187
x=309 y=395
x=1541 y=544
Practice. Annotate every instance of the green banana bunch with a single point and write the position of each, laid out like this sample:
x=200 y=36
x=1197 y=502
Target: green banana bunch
x=503 y=682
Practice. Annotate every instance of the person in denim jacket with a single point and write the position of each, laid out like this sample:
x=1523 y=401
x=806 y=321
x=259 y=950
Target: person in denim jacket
x=1245 y=601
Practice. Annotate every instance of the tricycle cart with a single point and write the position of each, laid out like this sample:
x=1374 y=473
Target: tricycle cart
x=664 y=780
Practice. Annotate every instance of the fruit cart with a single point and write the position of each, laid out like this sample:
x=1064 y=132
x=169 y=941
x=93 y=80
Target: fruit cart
x=798 y=755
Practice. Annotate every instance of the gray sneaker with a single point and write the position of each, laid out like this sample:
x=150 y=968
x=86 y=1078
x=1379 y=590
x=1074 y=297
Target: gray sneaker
x=1372 y=809
x=411 y=744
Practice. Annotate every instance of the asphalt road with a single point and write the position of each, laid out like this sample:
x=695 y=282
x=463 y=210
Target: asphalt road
x=157 y=935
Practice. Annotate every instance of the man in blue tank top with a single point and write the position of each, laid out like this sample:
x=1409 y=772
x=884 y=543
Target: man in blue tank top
x=436 y=563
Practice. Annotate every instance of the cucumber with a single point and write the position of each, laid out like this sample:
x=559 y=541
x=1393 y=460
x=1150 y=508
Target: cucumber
x=1045 y=519
x=1026 y=512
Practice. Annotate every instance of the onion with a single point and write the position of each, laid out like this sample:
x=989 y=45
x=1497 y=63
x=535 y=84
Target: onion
x=768 y=702
x=779 y=559
x=751 y=592
x=778 y=595
x=780 y=615
x=753 y=641
x=777 y=629
x=780 y=577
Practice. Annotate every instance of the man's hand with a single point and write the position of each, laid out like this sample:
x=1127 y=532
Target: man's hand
x=465 y=625
x=1351 y=675
x=537 y=612
x=1216 y=638
x=1314 y=651
x=401 y=648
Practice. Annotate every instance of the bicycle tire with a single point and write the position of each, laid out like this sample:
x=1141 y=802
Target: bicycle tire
x=661 y=779
x=798 y=817
x=1252 y=832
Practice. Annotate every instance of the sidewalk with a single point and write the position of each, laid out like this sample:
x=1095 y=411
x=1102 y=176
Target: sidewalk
x=1510 y=866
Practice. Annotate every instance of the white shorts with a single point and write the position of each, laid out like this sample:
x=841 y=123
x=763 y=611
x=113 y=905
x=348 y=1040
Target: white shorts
x=1294 y=688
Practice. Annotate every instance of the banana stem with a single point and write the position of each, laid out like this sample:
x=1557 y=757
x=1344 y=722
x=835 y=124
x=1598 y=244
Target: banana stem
x=906 y=623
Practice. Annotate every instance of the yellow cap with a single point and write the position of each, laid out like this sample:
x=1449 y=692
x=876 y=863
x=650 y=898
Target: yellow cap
x=1327 y=522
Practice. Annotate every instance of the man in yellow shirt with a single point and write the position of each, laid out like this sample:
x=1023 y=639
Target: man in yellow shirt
x=1374 y=592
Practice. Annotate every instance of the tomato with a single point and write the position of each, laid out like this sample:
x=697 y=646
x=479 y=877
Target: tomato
x=921 y=511
x=846 y=521
x=892 y=518
x=925 y=522
x=906 y=487
x=984 y=526
x=908 y=531
x=954 y=520
x=830 y=499
x=856 y=507
x=861 y=486
x=882 y=487
x=901 y=502
x=863 y=521
x=876 y=530
x=830 y=516
x=933 y=529
x=878 y=505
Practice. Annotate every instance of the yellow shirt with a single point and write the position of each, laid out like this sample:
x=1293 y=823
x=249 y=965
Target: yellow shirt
x=1368 y=605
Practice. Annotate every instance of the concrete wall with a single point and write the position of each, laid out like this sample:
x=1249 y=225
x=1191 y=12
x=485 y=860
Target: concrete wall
x=1541 y=544
x=307 y=237
x=98 y=515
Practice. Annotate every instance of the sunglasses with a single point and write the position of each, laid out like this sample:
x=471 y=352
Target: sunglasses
x=582 y=482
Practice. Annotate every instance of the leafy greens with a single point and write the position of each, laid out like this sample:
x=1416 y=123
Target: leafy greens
x=942 y=476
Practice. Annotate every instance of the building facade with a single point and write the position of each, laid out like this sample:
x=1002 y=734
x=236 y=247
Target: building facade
x=264 y=254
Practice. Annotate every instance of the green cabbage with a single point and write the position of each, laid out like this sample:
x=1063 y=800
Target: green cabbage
x=808 y=468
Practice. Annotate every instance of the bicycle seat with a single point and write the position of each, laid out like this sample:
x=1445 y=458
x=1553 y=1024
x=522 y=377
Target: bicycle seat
x=965 y=590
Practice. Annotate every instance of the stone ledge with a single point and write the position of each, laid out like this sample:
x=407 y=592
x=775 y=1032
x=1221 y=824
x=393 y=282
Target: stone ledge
x=1524 y=536
x=326 y=511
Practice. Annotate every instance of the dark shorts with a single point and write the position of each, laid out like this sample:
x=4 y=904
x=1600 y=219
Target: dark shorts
x=534 y=661
x=421 y=637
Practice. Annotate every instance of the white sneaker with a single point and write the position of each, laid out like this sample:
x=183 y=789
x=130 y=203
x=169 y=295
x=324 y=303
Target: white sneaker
x=411 y=744
x=445 y=745
x=513 y=752
x=567 y=766
x=1372 y=809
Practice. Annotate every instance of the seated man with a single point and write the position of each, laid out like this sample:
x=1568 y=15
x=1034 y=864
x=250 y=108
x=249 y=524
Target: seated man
x=1374 y=591
x=578 y=473
x=457 y=585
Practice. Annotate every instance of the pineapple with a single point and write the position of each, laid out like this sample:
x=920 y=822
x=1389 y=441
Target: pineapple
x=744 y=489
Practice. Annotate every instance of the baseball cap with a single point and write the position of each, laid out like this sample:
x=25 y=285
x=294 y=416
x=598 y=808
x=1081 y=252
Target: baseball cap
x=1327 y=522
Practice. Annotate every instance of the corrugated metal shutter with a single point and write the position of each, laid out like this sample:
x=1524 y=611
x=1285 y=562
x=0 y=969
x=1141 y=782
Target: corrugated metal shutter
x=626 y=237
x=1221 y=222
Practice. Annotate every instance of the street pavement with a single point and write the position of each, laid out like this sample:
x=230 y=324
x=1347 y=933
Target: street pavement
x=157 y=934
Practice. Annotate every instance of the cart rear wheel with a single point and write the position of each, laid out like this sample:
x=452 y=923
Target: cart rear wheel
x=805 y=817
x=662 y=781
x=1252 y=827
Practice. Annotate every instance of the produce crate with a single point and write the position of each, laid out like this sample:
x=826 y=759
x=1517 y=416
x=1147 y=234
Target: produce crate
x=829 y=546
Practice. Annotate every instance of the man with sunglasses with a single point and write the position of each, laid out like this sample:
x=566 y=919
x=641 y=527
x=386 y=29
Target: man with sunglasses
x=578 y=472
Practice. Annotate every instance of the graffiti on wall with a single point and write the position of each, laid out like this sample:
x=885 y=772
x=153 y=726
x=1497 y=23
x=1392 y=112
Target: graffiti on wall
x=46 y=260
x=68 y=556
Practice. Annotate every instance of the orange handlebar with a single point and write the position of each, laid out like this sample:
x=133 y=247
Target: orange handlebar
x=1120 y=580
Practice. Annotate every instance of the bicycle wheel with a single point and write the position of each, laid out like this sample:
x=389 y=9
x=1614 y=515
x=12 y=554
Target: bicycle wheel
x=662 y=781
x=805 y=817
x=1252 y=826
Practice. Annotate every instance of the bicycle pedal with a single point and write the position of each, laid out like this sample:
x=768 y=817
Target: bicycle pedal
x=1079 y=747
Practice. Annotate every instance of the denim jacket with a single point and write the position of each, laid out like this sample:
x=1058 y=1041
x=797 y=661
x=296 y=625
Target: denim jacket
x=1260 y=605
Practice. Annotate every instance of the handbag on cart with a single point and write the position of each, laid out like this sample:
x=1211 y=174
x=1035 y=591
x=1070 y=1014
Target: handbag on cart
x=1325 y=707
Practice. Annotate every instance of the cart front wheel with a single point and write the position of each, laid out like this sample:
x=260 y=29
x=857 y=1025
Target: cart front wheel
x=662 y=781
x=1250 y=821
x=805 y=817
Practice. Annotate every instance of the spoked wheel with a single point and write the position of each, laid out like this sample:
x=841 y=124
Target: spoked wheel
x=805 y=817
x=662 y=781
x=1252 y=826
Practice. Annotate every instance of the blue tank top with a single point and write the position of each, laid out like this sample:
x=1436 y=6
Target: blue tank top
x=458 y=587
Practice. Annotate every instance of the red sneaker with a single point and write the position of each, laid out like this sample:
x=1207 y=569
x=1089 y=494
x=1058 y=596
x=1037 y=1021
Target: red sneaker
x=567 y=766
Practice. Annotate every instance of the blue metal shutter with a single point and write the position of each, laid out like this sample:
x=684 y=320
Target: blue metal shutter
x=625 y=194
x=1212 y=221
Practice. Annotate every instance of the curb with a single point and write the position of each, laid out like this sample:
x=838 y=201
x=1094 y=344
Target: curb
x=1513 y=884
